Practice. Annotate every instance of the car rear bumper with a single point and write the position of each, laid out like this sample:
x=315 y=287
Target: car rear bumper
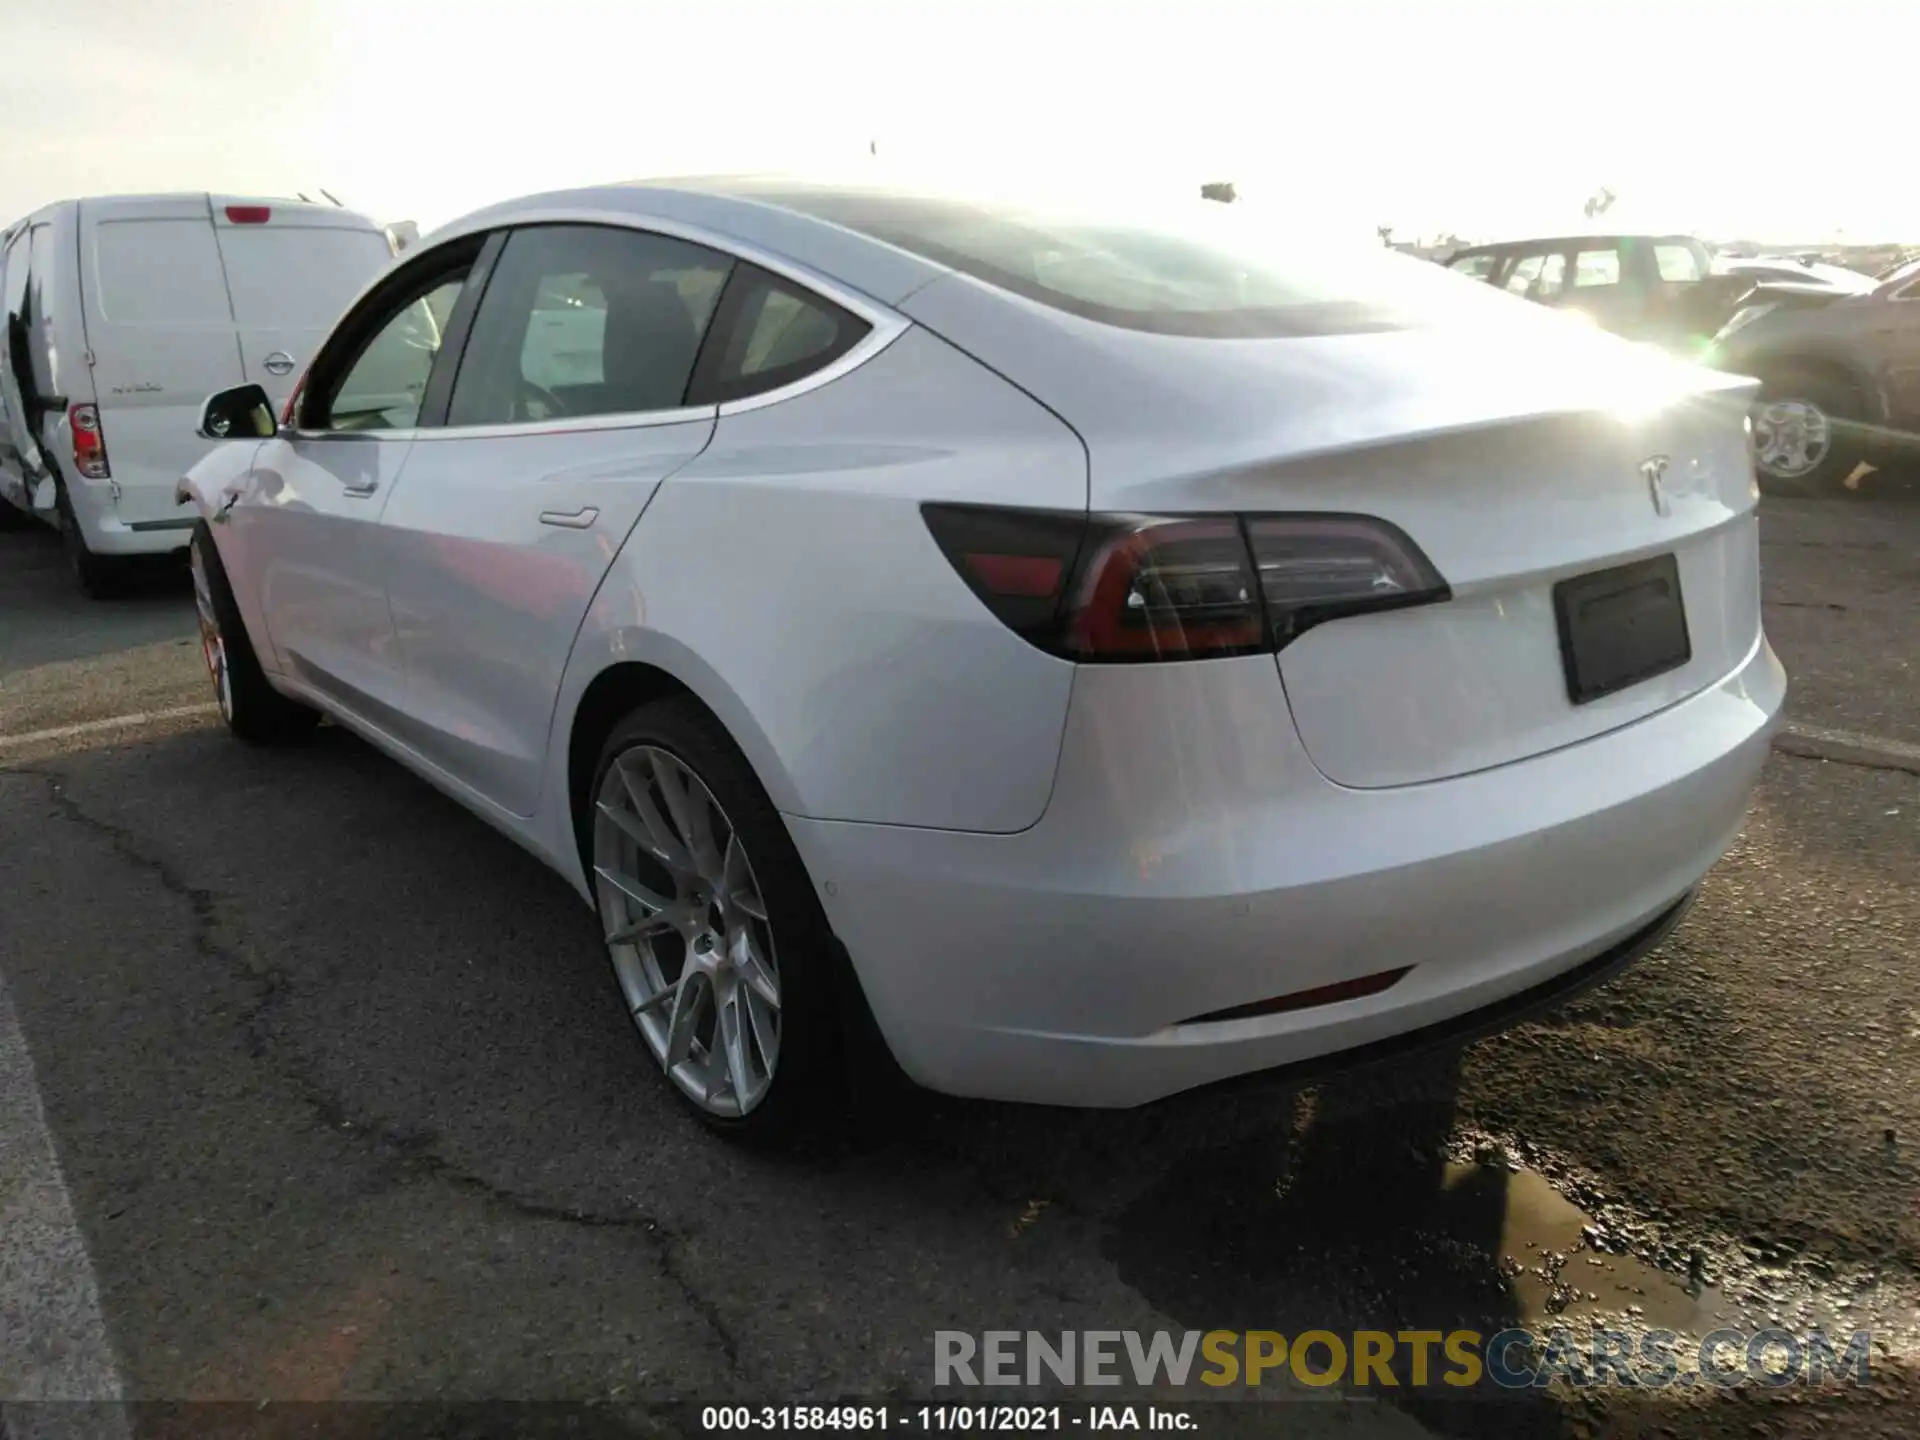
x=1192 y=860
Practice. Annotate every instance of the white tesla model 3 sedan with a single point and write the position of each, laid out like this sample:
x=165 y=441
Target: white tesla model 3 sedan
x=1111 y=654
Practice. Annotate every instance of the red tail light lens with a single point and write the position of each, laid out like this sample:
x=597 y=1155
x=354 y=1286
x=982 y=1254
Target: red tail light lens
x=1315 y=568
x=1165 y=589
x=1105 y=589
x=249 y=214
x=89 y=443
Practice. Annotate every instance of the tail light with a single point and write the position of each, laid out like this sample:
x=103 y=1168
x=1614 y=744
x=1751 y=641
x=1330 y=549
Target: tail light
x=1119 y=588
x=89 y=443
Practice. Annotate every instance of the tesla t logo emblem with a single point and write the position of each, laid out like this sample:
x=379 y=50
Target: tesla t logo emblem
x=1654 y=472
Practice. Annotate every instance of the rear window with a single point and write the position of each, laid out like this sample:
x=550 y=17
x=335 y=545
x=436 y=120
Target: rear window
x=1198 y=270
x=158 y=272
x=287 y=276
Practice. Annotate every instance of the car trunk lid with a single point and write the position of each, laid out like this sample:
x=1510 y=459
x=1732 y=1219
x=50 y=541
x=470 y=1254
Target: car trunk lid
x=1518 y=454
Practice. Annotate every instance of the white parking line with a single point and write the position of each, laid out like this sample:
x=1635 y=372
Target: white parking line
x=114 y=722
x=53 y=1339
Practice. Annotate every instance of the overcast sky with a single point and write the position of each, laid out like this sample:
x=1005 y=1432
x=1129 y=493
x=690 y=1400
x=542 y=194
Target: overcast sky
x=1478 y=115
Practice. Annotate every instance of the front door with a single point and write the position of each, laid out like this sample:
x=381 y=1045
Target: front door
x=568 y=411
x=309 y=521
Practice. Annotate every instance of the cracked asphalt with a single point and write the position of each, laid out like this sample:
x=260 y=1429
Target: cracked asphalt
x=346 y=1112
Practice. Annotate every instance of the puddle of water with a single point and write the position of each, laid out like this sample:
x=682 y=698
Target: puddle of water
x=1557 y=1280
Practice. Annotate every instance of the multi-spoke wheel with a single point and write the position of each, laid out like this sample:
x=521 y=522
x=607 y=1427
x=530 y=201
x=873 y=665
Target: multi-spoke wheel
x=252 y=708
x=717 y=940
x=1804 y=435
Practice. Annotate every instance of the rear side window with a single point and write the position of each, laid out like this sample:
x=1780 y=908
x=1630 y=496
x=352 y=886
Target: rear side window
x=299 y=278
x=771 y=333
x=583 y=320
x=1678 y=263
x=1596 y=267
x=158 y=272
x=1197 y=270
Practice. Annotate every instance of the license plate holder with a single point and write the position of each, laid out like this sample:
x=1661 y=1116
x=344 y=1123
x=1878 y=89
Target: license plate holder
x=1621 y=626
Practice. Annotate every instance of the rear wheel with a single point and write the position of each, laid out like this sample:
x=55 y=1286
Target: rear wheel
x=251 y=707
x=100 y=576
x=722 y=953
x=1807 y=434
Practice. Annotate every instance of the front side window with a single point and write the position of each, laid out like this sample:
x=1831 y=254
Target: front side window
x=385 y=385
x=1474 y=267
x=775 y=333
x=1524 y=274
x=583 y=320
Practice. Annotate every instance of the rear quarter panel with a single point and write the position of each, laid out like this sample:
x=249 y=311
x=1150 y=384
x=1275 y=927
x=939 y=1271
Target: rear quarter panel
x=786 y=577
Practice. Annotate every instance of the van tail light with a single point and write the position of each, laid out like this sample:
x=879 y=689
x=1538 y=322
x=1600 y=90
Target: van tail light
x=1106 y=589
x=89 y=442
x=249 y=214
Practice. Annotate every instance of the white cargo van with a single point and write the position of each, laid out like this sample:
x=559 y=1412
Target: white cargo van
x=122 y=315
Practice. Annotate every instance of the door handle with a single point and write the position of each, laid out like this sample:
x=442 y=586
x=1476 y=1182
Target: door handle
x=578 y=520
x=361 y=487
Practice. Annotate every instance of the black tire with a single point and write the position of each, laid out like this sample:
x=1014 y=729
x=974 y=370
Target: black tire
x=804 y=1085
x=1845 y=412
x=12 y=517
x=251 y=707
x=100 y=577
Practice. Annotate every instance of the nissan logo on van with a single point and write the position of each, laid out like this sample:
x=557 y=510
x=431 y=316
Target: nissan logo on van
x=278 y=363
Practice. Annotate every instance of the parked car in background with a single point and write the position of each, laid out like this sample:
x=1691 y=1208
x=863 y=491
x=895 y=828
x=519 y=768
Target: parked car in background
x=1080 y=654
x=123 y=314
x=1659 y=288
x=1791 y=270
x=1839 y=373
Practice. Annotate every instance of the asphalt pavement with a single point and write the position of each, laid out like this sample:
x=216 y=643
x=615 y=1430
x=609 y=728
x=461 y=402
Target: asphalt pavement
x=312 y=1090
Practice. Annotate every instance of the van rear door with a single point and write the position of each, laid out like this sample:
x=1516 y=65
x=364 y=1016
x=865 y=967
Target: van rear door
x=292 y=269
x=160 y=330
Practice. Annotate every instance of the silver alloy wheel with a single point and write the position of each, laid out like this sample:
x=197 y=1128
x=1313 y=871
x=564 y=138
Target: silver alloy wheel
x=1791 y=437
x=213 y=647
x=687 y=929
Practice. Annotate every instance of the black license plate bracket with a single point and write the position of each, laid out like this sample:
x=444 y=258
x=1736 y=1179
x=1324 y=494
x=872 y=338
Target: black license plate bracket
x=1621 y=626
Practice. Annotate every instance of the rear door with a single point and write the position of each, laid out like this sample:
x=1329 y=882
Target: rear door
x=568 y=411
x=292 y=270
x=160 y=329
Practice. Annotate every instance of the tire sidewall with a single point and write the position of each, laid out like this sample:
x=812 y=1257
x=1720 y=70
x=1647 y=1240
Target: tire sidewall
x=810 y=1028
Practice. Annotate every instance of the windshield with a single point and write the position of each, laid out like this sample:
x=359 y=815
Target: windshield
x=1197 y=269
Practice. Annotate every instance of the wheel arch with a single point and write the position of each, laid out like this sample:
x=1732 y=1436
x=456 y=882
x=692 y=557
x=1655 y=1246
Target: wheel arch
x=636 y=670
x=1826 y=363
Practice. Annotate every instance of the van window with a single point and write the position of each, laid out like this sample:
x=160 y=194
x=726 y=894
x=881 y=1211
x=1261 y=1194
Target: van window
x=42 y=304
x=158 y=272
x=298 y=277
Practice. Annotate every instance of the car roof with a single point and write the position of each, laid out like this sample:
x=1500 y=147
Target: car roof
x=1590 y=237
x=743 y=212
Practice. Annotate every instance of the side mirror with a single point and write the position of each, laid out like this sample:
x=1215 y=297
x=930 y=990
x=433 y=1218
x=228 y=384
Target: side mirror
x=242 y=413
